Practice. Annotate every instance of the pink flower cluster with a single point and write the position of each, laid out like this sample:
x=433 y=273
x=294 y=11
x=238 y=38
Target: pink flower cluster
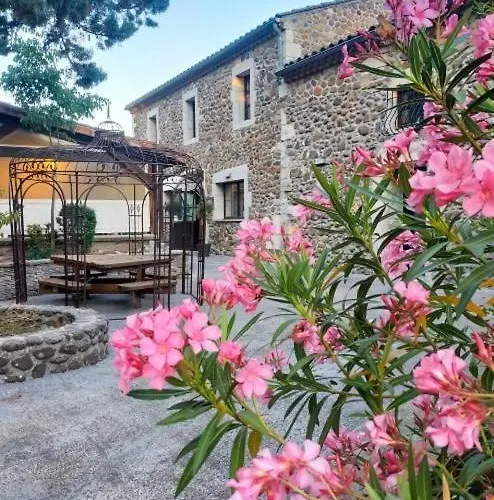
x=454 y=416
x=483 y=42
x=404 y=313
x=151 y=344
x=389 y=450
x=295 y=242
x=250 y=375
x=303 y=213
x=238 y=287
x=293 y=470
x=396 y=153
x=307 y=334
x=454 y=175
x=409 y=16
x=395 y=256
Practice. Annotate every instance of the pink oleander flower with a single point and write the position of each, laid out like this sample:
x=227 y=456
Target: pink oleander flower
x=422 y=186
x=450 y=172
x=248 y=295
x=440 y=372
x=219 y=293
x=295 y=242
x=395 y=253
x=345 y=70
x=303 y=332
x=187 y=308
x=401 y=143
x=157 y=377
x=421 y=13
x=165 y=348
x=479 y=192
x=252 y=378
x=457 y=426
x=404 y=314
x=346 y=444
x=276 y=358
x=200 y=336
x=129 y=366
x=485 y=351
x=332 y=336
x=231 y=352
x=382 y=430
x=412 y=292
x=302 y=213
x=483 y=42
x=255 y=230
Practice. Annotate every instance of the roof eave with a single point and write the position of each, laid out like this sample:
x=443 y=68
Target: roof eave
x=254 y=37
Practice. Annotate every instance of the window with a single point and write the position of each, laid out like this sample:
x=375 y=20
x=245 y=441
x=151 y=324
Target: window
x=152 y=126
x=405 y=108
x=233 y=198
x=246 y=96
x=243 y=93
x=412 y=113
x=190 y=117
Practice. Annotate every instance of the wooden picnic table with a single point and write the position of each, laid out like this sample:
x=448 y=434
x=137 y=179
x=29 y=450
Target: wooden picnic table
x=98 y=267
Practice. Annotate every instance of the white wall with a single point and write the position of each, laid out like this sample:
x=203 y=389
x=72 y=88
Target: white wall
x=111 y=215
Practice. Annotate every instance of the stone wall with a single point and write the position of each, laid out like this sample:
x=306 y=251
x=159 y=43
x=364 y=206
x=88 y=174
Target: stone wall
x=324 y=119
x=312 y=119
x=309 y=31
x=35 y=270
x=219 y=146
x=82 y=341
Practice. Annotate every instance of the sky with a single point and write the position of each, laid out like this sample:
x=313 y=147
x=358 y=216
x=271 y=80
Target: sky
x=188 y=31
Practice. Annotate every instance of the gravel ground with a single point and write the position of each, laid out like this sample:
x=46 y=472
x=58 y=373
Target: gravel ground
x=73 y=436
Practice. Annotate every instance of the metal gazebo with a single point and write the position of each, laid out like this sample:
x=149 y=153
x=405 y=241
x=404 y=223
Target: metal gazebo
x=147 y=177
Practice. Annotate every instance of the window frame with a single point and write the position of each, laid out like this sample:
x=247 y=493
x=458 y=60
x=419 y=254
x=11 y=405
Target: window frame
x=153 y=117
x=243 y=81
x=239 y=211
x=190 y=117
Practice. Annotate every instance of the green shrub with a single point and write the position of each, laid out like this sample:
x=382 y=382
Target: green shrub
x=81 y=223
x=39 y=241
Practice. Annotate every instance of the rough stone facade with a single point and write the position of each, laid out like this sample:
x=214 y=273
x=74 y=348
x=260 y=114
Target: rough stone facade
x=296 y=122
x=82 y=340
x=310 y=30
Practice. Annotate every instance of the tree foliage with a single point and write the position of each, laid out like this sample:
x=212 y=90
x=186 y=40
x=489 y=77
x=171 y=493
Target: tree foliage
x=43 y=90
x=69 y=27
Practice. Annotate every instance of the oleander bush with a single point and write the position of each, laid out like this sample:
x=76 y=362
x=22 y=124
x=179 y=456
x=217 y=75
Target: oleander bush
x=411 y=345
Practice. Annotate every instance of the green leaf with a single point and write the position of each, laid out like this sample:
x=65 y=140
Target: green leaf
x=424 y=482
x=456 y=31
x=253 y=421
x=154 y=395
x=377 y=71
x=186 y=414
x=237 y=455
x=467 y=71
x=478 y=244
x=254 y=443
x=201 y=452
x=423 y=257
x=412 y=480
x=281 y=329
x=299 y=365
x=188 y=448
x=248 y=325
x=438 y=61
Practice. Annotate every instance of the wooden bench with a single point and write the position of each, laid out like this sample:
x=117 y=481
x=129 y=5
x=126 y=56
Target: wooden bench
x=57 y=285
x=137 y=288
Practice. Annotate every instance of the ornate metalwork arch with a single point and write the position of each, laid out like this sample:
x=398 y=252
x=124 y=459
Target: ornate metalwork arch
x=73 y=171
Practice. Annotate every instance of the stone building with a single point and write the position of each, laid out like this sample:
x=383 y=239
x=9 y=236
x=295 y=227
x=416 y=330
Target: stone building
x=258 y=112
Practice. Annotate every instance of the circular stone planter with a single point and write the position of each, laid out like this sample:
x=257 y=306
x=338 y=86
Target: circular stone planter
x=37 y=340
